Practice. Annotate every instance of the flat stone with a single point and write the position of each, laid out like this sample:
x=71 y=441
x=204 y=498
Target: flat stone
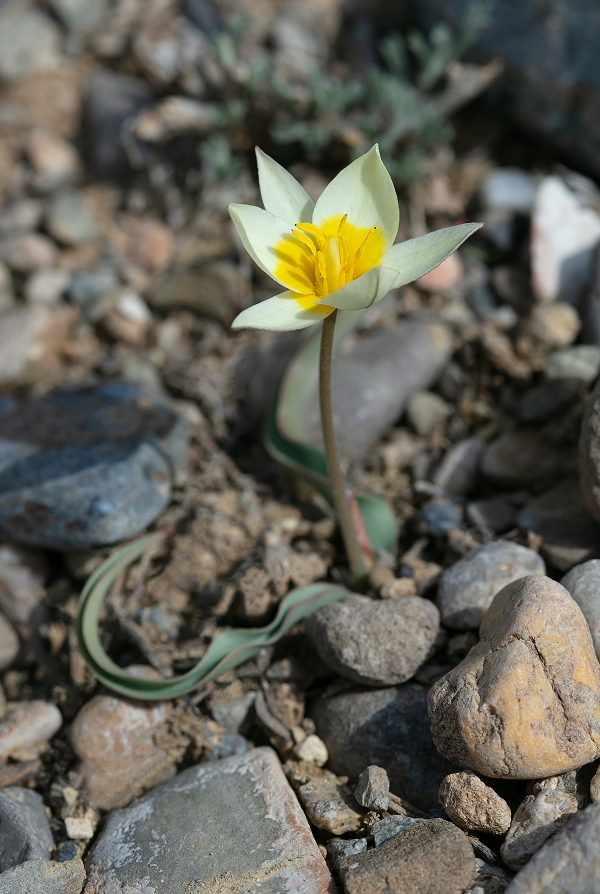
x=69 y=220
x=46 y=287
x=433 y=857
x=583 y=583
x=581 y=362
x=539 y=816
x=521 y=458
x=87 y=467
x=589 y=454
x=43 y=877
x=27 y=726
x=467 y=588
x=329 y=805
x=387 y=727
x=24 y=829
x=28 y=252
x=31 y=342
x=523 y=704
x=373 y=381
x=569 y=863
x=373 y=789
x=459 y=469
x=570 y=535
x=374 y=642
x=471 y=804
x=389 y=826
x=118 y=743
x=231 y=825
x=212 y=290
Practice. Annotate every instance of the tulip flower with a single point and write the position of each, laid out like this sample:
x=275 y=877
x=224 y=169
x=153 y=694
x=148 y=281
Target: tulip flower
x=336 y=254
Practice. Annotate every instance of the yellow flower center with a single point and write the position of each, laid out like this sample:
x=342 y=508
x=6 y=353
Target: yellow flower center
x=316 y=261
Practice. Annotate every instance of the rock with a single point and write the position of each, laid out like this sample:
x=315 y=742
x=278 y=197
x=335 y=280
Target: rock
x=589 y=454
x=564 y=235
x=595 y=786
x=459 y=469
x=581 y=362
x=440 y=518
x=29 y=42
x=521 y=458
x=569 y=863
x=548 y=327
x=21 y=216
x=373 y=789
x=9 y=643
x=433 y=857
x=387 y=727
x=523 y=703
x=31 y=341
x=467 y=588
x=398 y=588
x=234 y=715
x=22 y=575
x=340 y=849
x=471 y=804
x=80 y=17
x=119 y=744
x=547 y=398
x=390 y=826
x=27 y=252
x=312 y=749
x=232 y=823
x=127 y=317
x=509 y=189
x=111 y=99
x=559 y=516
x=213 y=290
x=46 y=287
x=488 y=879
x=54 y=160
x=443 y=277
x=373 y=381
x=24 y=829
x=90 y=289
x=495 y=514
x=146 y=241
x=374 y=642
x=28 y=726
x=329 y=805
x=43 y=877
x=175 y=116
x=539 y=816
x=89 y=466
x=69 y=220
x=583 y=583
x=427 y=411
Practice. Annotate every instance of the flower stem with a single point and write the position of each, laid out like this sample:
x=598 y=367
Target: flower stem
x=338 y=487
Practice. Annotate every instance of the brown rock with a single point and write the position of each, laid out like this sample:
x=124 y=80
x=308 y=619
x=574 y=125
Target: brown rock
x=27 y=727
x=28 y=252
x=31 y=339
x=330 y=805
x=146 y=241
x=471 y=804
x=118 y=742
x=524 y=703
x=433 y=857
x=53 y=159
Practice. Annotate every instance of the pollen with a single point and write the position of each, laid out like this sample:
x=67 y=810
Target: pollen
x=316 y=261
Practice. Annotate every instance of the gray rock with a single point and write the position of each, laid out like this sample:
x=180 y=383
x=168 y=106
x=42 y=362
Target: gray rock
x=459 y=470
x=540 y=815
x=467 y=588
x=29 y=41
x=374 y=642
x=427 y=411
x=547 y=398
x=521 y=458
x=589 y=454
x=580 y=362
x=434 y=857
x=569 y=863
x=390 y=826
x=551 y=81
x=87 y=467
x=24 y=829
x=19 y=217
x=387 y=727
x=569 y=533
x=9 y=643
x=510 y=189
x=440 y=518
x=341 y=848
x=235 y=716
x=69 y=220
x=46 y=287
x=79 y=16
x=488 y=879
x=583 y=583
x=90 y=289
x=43 y=877
x=495 y=514
x=233 y=824
x=373 y=381
x=111 y=99
x=373 y=789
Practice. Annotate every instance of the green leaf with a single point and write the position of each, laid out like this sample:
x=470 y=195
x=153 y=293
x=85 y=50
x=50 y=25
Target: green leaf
x=228 y=649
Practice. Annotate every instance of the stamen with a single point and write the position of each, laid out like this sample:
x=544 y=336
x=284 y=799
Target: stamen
x=305 y=239
x=315 y=234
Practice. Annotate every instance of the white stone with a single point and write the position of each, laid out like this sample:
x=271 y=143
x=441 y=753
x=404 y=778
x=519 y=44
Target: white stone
x=46 y=286
x=564 y=235
x=510 y=189
x=312 y=749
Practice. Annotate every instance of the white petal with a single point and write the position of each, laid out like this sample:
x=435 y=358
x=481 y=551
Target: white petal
x=281 y=193
x=280 y=313
x=416 y=257
x=260 y=231
x=365 y=192
x=369 y=288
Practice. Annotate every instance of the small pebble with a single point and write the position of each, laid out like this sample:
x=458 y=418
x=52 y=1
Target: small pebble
x=398 y=588
x=439 y=518
x=471 y=804
x=426 y=411
x=28 y=726
x=341 y=848
x=373 y=788
x=46 y=287
x=69 y=220
x=390 y=826
x=459 y=469
x=312 y=749
x=329 y=805
x=580 y=362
